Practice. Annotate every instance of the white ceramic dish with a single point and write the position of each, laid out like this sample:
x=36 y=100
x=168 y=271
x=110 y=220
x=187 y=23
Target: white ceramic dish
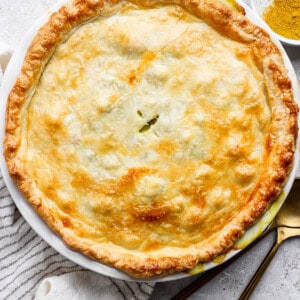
x=259 y=6
x=54 y=240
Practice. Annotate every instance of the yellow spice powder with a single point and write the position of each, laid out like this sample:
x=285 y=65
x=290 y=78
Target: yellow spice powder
x=283 y=16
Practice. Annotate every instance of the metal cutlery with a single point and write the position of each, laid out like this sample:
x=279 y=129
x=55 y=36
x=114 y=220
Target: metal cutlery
x=286 y=223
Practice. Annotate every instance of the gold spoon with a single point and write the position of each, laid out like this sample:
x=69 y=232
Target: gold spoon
x=287 y=224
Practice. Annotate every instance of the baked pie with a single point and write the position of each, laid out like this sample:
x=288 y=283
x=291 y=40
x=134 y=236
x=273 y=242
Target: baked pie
x=151 y=134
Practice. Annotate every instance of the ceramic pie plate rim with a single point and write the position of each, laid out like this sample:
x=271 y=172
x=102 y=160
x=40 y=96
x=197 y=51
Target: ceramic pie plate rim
x=37 y=223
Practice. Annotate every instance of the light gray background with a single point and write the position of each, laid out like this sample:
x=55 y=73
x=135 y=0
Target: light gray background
x=282 y=279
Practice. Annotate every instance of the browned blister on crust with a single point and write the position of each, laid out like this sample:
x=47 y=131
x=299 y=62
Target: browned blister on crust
x=151 y=134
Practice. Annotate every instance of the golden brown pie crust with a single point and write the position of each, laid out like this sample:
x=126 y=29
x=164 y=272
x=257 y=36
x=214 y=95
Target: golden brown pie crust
x=279 y=142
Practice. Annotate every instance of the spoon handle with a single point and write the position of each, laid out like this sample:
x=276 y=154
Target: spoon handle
x=261 y=270
x=210 y=274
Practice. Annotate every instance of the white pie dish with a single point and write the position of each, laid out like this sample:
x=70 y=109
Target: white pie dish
x=37 y=224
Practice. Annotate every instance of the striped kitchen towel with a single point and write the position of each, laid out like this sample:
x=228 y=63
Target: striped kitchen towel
x=29 y=266
x=31 y=269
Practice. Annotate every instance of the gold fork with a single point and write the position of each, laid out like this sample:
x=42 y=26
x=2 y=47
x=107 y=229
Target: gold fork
x=286 y=223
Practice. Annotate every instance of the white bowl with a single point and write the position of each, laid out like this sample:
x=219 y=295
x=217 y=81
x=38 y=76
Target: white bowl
x=259 y=6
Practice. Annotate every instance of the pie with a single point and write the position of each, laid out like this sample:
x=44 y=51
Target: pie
x=151 y=134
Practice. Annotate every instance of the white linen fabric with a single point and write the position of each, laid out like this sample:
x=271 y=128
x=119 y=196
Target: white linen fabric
x=31 y=269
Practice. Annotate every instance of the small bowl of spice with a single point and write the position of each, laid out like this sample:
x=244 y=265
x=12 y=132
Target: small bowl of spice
x=282 y=16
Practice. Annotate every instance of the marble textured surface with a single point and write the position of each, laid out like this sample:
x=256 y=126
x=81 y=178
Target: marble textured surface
x=282 y=279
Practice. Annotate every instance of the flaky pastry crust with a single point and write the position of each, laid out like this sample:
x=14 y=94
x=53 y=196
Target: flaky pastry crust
x=278 y=140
